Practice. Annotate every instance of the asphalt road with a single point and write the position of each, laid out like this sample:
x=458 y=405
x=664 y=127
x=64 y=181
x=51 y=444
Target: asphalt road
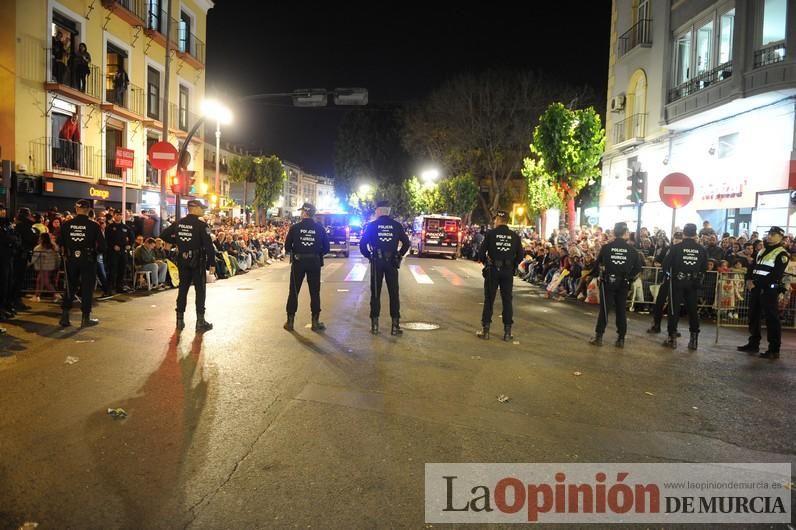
x=249 y=426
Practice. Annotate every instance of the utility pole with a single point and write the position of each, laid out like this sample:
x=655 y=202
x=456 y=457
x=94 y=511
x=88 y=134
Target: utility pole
x=165 y=116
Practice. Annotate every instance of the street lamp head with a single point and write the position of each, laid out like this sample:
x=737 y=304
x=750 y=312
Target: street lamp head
x=213 y=109
x=429 y=175
x=364 y=189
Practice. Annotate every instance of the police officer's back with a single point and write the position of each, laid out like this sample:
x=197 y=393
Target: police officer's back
x=618 y=264
x=307 y=243
x=195 y=252
x=501 y=254
x=685 y=265
x=7 y=246
x=80 y=241
x=379 y=244
x=120 y=238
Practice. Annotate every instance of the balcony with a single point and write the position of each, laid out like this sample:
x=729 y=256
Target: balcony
x=54 y=156
x=156 y=27
x=62 y=77
x=126 y=103
x=113 y=174
x=181 y=121
x=769 y=55
x=701 y=82
x=638 y=35
x=630 y=131
x=191 y=49
x=134 y=12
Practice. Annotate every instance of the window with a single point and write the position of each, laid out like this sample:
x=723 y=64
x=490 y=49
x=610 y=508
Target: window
x=153 y=93
x=704 y=42
x=185 y=32
x=152 y=174
x=116 y=82
x=114 y=137
x=64 y=43
x=727 y=145
x=643 y=10
x=66 y=149
x=683 y=58
x=726 y=27
x=774 y=12
x=156 y=17
x=185 y=99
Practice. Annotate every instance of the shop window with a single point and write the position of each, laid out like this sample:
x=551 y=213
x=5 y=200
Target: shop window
x=116 y=81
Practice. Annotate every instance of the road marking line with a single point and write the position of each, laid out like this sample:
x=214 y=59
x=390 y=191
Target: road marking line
x=331 y=268
x=451 y=276
x=419 y=274
x=357 y=273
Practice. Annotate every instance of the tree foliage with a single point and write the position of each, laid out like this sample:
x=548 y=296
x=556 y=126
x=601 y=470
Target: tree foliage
x=269 y=178
x=542 y=192
x=241 y=169
x=459 y=195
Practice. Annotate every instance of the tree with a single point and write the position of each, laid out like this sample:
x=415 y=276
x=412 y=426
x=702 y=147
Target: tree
x=460 y=196
x=270 y=178
x=481 y=124
x=542 y=192
x=243 y=169
x=569 y=144
x=423 y=198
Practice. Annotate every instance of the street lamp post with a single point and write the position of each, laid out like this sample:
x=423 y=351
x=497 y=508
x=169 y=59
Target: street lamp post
x=218 y=156
x=214 y=110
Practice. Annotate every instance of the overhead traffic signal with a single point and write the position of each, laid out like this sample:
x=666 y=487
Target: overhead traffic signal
x=637 y=187
x=175 y=185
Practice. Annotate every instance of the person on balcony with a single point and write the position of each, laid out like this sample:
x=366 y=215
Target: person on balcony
x=69 y=137
x=59 y=57
x=120 y=84
x=82 y=60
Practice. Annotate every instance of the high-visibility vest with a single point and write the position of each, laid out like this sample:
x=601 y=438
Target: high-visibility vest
x=766 y=260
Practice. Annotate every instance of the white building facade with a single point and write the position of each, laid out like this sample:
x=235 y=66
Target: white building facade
x=706 y=88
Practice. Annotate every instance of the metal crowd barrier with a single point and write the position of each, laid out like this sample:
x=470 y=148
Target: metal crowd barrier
x=44 y=274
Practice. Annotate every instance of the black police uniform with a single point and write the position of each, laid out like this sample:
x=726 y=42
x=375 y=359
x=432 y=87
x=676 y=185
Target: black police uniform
x=501 y=254
x=685 y=264
x=118 y=235
x=307 y=243
x=766 y=274
x=27 y=237
x=80 y=240
x=620 y=264
x=660 y=299
x=195 y=251
x=7 y=247
x=379 y=244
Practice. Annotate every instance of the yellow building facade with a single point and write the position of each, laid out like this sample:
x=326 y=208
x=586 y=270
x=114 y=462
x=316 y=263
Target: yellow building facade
x=88 y=77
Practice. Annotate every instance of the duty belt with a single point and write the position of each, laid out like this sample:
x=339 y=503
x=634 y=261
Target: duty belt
x=686 y=276
x=78 y=252
x=384 y=254
x=187 y=254
x=500 y=263
x=305 y=256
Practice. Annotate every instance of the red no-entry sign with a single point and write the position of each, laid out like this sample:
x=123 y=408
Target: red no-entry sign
x=163 y=156
x=124 y=158
x=676 y=190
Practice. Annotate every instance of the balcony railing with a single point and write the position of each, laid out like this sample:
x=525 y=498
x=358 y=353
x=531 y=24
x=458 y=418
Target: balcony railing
x=638 y=35
x=634 y=126
x=63 y=156
x=189 y=44
x=65 y=71
x=156 y=21
x=769 y=55
x=152 y=176
x=114 y=173
x=131 y=99
x=137 y=8
x=700 y=82
x=182 y=120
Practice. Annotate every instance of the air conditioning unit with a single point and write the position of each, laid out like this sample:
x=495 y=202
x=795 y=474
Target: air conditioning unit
x=618 y=103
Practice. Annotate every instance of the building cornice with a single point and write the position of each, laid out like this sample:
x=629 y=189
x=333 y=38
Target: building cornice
x=204 y=5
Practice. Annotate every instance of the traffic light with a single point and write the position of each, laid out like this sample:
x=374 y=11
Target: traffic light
x=637 y=187
x=187 y=179
x=175 y=185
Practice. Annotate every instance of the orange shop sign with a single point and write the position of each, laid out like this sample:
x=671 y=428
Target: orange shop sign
x=98 y=193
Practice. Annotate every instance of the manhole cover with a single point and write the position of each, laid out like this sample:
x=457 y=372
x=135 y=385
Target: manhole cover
x=419 y=326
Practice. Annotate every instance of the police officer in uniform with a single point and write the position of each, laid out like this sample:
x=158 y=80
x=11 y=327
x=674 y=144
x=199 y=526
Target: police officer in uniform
x=619 y=264
x=379 y=244
x=120 y=240
x=663 y=292
x=195 y=251
x=685 y=265
x=764 y=279
x=7 y=247
x=501 y=254
x=307 y=244
x=80 y=241
x=27 y=236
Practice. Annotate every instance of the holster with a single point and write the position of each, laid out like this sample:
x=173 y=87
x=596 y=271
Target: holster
x=188 y=258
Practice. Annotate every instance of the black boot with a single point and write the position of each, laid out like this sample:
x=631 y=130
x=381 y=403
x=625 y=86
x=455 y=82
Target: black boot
x=655 y=328
x=87 y=321
x=596 y=340
x=317 y=325
x=484 y=333
x=750 y=348
x=289 y=322
x=694 y=342
x=770 y=354
x=671 y=342
x=202 y=324
x=507 y=336
x=620 y=342
x=65 y=318
x=396 y=327
x=180 y=321
x=374 y=326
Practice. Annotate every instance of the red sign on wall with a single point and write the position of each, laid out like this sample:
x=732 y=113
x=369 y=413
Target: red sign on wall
x=124 y=158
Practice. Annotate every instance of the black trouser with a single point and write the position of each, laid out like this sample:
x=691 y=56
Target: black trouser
x=683 y=291
x=660 y=301
x=6 y=269
x=502 y=278
x=195 y=275
x=117 y=264
x=613 y=295
x=763 y=305
x=20 y=268
x=382 y=269
x=311 y=268
x=80 y=273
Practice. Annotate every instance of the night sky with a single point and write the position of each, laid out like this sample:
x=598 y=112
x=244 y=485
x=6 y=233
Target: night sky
x=255 y=46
